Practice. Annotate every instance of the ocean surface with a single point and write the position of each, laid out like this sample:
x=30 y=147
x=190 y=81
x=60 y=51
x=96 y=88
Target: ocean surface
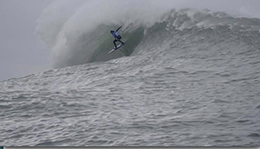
x=188 y=78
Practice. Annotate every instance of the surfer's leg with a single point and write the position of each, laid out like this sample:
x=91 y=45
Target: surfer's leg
x=121 y=42
x=115 y=42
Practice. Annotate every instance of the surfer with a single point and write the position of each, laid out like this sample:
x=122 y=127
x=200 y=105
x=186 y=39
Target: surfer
x=117 y=37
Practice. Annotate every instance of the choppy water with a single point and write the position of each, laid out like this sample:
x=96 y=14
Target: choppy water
x=181 y=85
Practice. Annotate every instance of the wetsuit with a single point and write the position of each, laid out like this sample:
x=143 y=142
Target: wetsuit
x=117 y=37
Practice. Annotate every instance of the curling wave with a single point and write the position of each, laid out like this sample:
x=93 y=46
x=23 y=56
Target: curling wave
x=81 y=35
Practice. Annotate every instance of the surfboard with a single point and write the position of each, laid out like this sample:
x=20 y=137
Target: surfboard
x=114 y=49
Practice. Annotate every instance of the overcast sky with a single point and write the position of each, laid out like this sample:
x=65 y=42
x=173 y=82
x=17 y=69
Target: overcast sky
x=21 y=53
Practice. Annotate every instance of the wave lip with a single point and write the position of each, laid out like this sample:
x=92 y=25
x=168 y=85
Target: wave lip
x=76 y=35
x=81 y=35
x=190 y=18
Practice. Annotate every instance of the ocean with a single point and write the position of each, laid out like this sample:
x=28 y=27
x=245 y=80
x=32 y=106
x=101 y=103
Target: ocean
x=184 y=78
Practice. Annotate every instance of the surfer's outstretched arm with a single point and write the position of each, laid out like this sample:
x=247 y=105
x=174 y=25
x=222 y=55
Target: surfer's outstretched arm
x=118 y=28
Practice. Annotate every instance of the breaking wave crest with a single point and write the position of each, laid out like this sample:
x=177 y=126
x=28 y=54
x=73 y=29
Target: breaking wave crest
x=79 y=33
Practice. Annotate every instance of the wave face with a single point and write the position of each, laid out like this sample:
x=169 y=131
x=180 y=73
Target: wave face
x=81 y=35
x=185 y=77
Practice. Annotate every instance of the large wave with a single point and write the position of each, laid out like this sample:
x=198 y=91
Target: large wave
x=78 y=32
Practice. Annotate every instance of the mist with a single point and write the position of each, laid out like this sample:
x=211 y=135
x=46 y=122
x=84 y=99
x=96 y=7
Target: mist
x=71 y=34
x=55 y=22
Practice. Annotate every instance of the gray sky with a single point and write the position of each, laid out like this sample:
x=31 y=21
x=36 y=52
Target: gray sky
x=21 y=53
